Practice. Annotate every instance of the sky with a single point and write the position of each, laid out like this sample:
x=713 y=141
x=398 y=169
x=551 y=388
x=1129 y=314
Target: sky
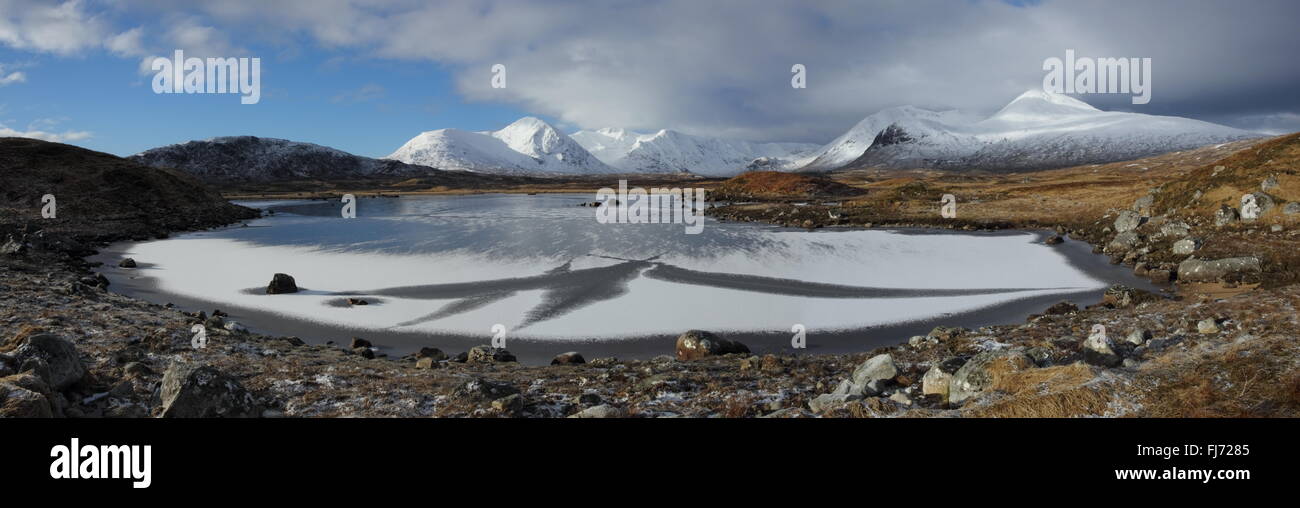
x=364 y=76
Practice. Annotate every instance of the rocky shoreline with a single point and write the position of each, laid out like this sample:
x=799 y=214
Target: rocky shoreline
x=70 y=348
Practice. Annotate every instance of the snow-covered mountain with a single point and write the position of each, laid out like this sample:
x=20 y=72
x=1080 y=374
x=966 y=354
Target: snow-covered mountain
x=528 y=146
x=254 y=159
x=851 y=144
x=1037 y=130
x=669 y=151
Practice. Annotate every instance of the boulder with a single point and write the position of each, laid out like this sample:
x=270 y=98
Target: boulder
x=193 y=390
x=601 y=411
x=55 y=360
x=1160 y=276
x=876 y=369
x=827 y=401
x=1054 y=240
x=426 y=363
x=1186 y=246
x=870 y=377
x=1207 y=326
x=1263 y=202
x=936 y=382
x=1214 y=270
x=1138 y=337
x=1291 y=208
x=510 y=404
x=983 y=370
x=1175 y=229
x=1099 y=350
x=20 y=402
x=14 y=246
x=360 y=342
x=1269 y=184
x=696 y=344
x=943 y=333
x=1143 y=204
x=485 y=389
x=431 y=352
x=1120 y=296
x=1061 y=309
x=127 y=263
x=281 y=284
x=1123 y=242
x=570 y=358
x=214 y=323
x=489 y=354
x=1128 y=220
x=1225 y=215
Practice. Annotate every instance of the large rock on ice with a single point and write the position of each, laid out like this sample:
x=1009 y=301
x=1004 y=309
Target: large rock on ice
x=281 y=283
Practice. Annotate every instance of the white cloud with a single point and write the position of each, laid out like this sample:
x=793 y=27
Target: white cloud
x=65 y=28
x=193 y=36
x=57 y=137
x=11 y=77
x=127 y=44
x=62 y=28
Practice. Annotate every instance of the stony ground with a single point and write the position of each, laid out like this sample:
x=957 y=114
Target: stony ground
x=1226 y=345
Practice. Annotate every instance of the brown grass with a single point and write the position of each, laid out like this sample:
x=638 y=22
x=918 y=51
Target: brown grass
x=1066 y=391
x=776 y=185
x=1250 y=378
x=18 y=338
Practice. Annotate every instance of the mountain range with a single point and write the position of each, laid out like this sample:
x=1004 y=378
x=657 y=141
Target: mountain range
x=1037 y=130
x=527 y=146
x=669 y=151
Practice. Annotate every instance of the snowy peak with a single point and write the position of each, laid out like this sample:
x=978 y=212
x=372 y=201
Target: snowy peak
x=1038 y=104
x=529 y=145
x=1036 y=130
x=670 y=151
x=856 y=140
x=531 y=136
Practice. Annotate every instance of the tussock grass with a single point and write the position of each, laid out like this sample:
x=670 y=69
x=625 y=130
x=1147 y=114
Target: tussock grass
x=1067 y=391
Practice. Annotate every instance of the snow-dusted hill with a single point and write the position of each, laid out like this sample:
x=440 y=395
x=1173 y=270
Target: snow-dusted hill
x=527 y=146
x=253 y=159
x=670 y=151
x=1037 y=130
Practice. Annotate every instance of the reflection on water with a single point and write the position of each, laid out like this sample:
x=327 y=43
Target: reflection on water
x=497 y=226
